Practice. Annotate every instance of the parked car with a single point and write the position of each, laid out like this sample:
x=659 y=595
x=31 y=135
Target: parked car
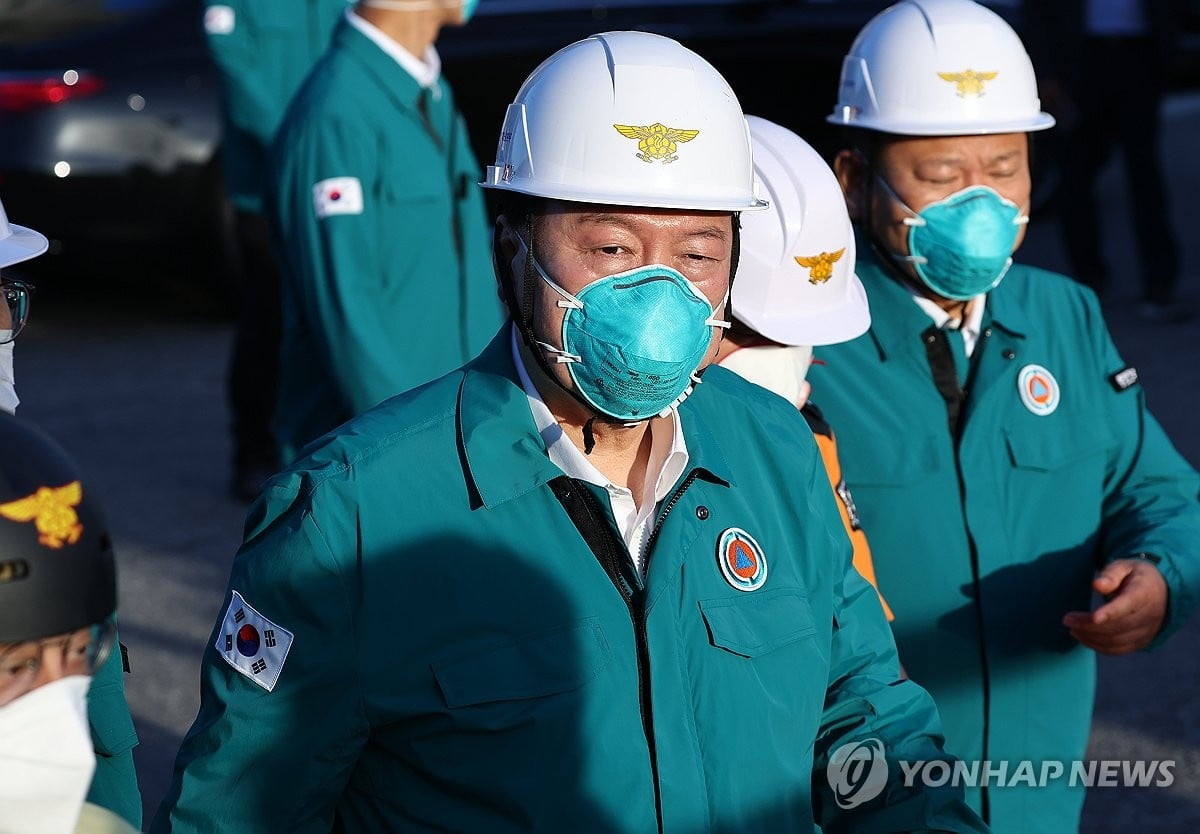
x=109 y=132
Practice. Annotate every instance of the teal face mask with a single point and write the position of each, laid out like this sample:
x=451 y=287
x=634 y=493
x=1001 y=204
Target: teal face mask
x=634 y=341
x=962 y=246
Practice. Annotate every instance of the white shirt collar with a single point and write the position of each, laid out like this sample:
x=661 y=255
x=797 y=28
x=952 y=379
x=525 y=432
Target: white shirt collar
x=426 y=72
x=970 y=328
x=668 y=461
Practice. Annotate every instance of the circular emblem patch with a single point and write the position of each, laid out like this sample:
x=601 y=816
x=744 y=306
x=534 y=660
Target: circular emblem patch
x=741 y=559
x=1038 y=389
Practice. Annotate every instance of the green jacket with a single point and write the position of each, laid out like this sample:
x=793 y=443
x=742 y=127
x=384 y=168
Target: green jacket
x=114 y=784
x=262 y=49
x=982 y=543
x=464 y=661
x=383 y=298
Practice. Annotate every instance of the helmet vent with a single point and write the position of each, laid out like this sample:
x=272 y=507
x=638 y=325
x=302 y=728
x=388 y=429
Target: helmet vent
x=13 y=570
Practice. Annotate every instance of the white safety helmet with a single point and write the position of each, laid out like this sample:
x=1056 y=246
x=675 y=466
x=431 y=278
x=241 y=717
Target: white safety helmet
x=939 y=68
x=629 y=119
x=18 y=243
x=795 y=280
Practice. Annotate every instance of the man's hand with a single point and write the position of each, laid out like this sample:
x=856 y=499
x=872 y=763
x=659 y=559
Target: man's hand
x=1135 y=607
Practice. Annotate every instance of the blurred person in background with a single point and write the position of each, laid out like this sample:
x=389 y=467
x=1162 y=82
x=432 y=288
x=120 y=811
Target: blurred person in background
x=1103 y=68
x=58 y=599
x=114 y=784
x=387 y=278
x=796 y=288
x=1025 y=508
x=17 y=244
x=262 y=50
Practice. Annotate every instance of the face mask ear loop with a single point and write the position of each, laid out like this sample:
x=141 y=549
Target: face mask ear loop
x=524 y=311
x=886 y=256
x=870 y=177
x=713 y=321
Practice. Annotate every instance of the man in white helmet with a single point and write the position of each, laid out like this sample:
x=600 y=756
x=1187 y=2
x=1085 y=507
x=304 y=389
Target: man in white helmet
x=387 y=279
x=112 y=779
x=999 y=448
x=558 y=589
x=796 y=288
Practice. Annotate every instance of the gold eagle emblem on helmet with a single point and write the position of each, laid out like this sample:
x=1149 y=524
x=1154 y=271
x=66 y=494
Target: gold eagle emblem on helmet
x=968 y=83
x=52 y=510
x=657 y=141
x=820 y=267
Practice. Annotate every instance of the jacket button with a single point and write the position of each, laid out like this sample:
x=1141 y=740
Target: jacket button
x=702 y=512
x=1009 y=353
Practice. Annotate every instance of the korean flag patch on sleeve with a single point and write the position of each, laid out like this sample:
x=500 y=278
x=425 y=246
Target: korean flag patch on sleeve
x=337 y=195
x=252 y=644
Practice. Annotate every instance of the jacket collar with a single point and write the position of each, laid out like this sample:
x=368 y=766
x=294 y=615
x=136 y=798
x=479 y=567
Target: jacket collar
x=388 y=74
x=502 y=453
x=895 y=318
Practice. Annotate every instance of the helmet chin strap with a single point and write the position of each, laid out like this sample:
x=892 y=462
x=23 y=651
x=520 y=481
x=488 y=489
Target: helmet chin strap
x=523 y=317
x=890 y=260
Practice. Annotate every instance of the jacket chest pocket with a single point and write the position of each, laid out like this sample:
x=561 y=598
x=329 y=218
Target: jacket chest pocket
x=541 y=665
x=1057 y=444
x=902 y=464
x=758 y=623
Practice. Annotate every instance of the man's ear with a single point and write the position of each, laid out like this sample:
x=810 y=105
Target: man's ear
x=505 y=248
x=851 y=171
x=506 y=239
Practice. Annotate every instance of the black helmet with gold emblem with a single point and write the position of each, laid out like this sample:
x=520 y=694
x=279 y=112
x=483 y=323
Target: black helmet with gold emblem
x=57 y=572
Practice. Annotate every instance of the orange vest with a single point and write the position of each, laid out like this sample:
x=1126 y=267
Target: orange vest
x=827 y=443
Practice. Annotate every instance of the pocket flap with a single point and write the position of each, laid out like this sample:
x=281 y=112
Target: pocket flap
x=760 y=622
x=543 y=664
x=1057 y=443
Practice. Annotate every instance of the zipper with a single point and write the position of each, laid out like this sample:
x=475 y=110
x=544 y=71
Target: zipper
x=985 y=804
x=670 y=505
x=613 y=556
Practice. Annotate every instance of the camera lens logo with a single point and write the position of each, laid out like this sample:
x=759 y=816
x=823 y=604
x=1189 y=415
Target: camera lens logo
x=857 y=772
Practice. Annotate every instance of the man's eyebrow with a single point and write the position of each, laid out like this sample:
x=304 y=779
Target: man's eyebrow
x=1005 y=156
x=714 y=232
x=605 y=219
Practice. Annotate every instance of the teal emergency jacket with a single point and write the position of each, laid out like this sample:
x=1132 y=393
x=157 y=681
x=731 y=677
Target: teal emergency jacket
x=985 y=537
x=114 y=783
x=262 y=49
x=464 y=656
x=398 y=288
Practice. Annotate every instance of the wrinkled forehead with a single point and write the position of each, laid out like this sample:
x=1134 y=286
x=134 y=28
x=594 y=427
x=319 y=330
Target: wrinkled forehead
x=983 y=150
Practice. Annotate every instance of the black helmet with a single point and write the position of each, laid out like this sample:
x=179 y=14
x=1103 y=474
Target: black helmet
x=57 y=572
